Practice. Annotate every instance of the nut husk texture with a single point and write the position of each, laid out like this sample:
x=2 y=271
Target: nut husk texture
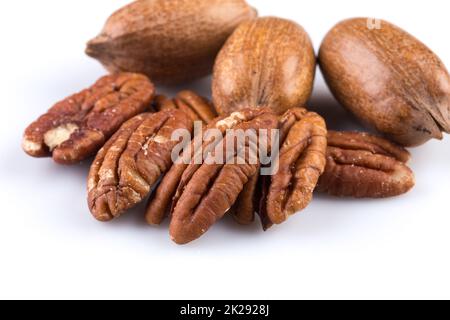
x=170 y=41
x=388 y=79
x=267 y=62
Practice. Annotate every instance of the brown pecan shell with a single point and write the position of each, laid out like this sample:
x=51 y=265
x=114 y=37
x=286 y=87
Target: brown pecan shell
x=361 y=165
x=132 y=161
x=77 y=127
x=207 y=191
x=301 y=162
x=197 y=107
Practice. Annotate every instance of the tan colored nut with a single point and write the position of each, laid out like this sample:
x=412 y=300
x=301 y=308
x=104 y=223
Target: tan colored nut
x=266 y=62
x=301 y=162
x=170 y=41
x=132 y=161
x=206 y=192
x=77 y=127
x=198 y=108
x=388 y=79
x=364 y=166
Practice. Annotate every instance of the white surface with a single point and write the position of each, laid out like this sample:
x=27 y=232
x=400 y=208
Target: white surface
x=50 y=246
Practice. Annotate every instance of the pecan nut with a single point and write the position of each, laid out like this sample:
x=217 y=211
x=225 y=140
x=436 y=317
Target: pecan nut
x=207 y=191
x=197 y=107
x=77 y=127
x=361 y=165
x=244 y=209
x=200 y=193
x=132 y=161
x=160 y=201
x=301 y=162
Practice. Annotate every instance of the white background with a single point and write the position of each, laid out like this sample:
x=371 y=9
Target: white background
x=50 y=246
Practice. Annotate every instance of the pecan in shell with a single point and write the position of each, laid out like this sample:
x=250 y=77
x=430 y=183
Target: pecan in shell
x=77 y=127
x=197 y=107
x=206 y=192
x=361 y=165
x=132 y=161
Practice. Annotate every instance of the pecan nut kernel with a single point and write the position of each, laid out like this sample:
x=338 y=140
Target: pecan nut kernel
x=132 y=161
x=301 y=162
x=197 y=107
x=361 y=165
x=160 y=201
x=77 y=127
x=207 y=190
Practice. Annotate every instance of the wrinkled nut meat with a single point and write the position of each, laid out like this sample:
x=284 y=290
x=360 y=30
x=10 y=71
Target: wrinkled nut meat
x=244 y=209
x=267 y=62
x=169 y=41
x=160 y=202
x=388 y=79
x=77 y=127
x=206 y=192
x=364 y=166
x=132 y=161
x=301 y=162
x=198 y=108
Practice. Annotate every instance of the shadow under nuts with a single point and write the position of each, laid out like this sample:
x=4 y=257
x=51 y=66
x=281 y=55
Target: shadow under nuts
x=361 y=165
x=267 y=62
x=77 y=127
x=132 y=161
x=170 y=41
x=388 y=79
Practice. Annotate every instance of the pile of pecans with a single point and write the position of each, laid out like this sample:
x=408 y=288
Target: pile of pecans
x=148 y=146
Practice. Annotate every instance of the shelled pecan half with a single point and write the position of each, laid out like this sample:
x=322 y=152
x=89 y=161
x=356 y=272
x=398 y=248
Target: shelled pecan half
x=244 y=209
x=77 y=127
x=160 y=201
x=132 y=161
x=301 y=162
x=207 y=191
x=197 y=107
x=361 y=165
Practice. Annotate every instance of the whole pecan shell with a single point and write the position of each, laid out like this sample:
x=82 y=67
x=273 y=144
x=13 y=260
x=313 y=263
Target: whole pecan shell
x=77 y=127
x=388 y=79
x=266 y=62
x=361 y=165
x=206 y=192
x=132 y=161
x=197 y=107
x=170 y=41
x=301 y=162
